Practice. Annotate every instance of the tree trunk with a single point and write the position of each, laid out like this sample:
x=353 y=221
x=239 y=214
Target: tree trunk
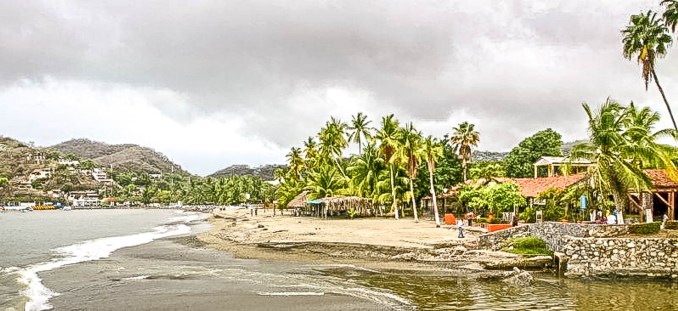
x=463 y=169
x=656 y=81
x=393 y=194
x=433 y=195
x=339 y=166
x=414 y=203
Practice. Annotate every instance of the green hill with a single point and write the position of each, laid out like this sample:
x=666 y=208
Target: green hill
x=122 y=157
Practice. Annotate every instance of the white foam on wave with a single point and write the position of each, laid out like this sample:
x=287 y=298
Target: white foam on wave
x=290 y=293
x=39 y=295
x=188 y=217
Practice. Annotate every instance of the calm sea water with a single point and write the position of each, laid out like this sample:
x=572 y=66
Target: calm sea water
x=63 y=245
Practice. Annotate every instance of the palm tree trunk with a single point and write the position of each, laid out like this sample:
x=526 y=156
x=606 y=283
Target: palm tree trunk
x=656 y=81
x=433 y=195
x=339 y=166
x=414 y=202
x=393 y=194
x=463 y=169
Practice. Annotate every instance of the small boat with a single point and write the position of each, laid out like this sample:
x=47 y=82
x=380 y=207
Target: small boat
x=66 y=208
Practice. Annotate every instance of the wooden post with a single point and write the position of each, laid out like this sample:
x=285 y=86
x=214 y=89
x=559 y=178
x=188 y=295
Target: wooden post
x=535 y=171
x=672 y=205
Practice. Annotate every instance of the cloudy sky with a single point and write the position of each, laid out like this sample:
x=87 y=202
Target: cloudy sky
x=215 y=83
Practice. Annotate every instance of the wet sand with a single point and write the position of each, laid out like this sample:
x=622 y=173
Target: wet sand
x=174 y=275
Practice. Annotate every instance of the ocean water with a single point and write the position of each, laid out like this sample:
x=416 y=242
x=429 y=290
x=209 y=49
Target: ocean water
x=39 y=241
x=122 y=260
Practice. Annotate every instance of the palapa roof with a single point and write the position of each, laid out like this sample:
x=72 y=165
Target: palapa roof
x=532 y=187
x=660 y=179
x=299 y=200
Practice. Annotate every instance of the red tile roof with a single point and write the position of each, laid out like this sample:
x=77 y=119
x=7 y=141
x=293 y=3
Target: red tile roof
x=660 y=179
x=531 y=187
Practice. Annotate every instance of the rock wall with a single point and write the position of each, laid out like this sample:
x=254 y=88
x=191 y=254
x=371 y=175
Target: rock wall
x=553 y=233
x=640 y=257
x=495 y=240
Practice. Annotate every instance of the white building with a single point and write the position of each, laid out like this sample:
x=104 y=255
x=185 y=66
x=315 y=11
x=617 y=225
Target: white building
x=84 y=198
x=69 y=162
x=39 y=173
x=101 y=176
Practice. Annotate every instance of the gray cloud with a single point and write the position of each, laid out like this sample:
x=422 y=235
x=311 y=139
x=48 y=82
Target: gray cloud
x=516 y=65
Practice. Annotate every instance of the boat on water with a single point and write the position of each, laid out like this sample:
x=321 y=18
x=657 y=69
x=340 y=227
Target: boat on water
x=66 y=208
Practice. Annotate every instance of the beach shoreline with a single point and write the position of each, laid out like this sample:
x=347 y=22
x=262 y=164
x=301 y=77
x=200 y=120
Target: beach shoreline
x=369 y=243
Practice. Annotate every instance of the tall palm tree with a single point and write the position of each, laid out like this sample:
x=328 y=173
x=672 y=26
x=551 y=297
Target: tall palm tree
x=621 y=144
x=295 y=161
x=647 y=37
x=670 y=14
x=310 y=153
x=432 y=151
x=464 y=137
x=387 y=135
x=409 y=155
x=359 y=129
x=333 y=141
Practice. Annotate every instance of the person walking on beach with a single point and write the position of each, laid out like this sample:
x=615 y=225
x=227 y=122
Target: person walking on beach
x=460 y=227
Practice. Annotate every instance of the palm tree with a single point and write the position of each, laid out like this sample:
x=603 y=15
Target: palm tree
x=670 y=14
x=648 y=37
x=333 y=141
x=387 y=135
x=432 y=151
x=310 y=153
x=295 y=162
x=409 y=154
x=359 y=129
x=324 y=182
x=364 y=171
x=463 y=138
x=621 y=144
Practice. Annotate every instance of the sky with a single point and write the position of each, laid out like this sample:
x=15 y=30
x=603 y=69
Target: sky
x=216 y=83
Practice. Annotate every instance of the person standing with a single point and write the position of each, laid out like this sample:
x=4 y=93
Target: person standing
x=460 y=227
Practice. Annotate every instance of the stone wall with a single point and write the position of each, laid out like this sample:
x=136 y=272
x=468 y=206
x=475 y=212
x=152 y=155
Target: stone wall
x=553 y=233
x=495 y=240
x=640 y=257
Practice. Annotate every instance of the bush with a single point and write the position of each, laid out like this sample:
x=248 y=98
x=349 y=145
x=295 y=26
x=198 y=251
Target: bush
x=650 y=228
x=529 y=246
x=673 y=225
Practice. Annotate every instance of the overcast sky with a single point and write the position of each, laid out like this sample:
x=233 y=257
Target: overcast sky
x=215 y=83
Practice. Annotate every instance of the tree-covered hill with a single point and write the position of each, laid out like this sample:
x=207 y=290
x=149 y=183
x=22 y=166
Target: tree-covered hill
x=264 y=172
x=123 y=157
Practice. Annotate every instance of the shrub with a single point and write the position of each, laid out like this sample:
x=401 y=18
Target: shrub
x=673 y=225
x=529 y=246
x=645 y=228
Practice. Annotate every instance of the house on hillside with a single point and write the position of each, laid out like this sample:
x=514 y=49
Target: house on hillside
x=39 y=173
x=101 y=176
x=89 y=198
x=67 y=162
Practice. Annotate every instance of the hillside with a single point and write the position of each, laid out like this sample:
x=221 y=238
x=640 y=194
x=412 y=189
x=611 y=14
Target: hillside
x=123 y=157
x=490 y=156
x=22 y=163
x=264 y=172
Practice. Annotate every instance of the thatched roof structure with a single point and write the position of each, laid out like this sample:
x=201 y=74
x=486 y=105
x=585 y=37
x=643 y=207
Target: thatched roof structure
x=299 y=201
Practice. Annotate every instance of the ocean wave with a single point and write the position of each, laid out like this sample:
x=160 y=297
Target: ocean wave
x=39 y=294
x=290 y=293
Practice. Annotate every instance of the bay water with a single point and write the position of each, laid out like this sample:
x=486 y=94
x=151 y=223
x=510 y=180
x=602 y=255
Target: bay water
x=123 y=259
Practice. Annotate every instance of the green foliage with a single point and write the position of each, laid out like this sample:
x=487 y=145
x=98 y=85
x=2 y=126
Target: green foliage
x=647 y=228
x=527 y=246
x=497 y=198
x=622 y=142
x=4 y=182
x=487 y=169
x=671 y=225
x=553 y=210
x=519 y=162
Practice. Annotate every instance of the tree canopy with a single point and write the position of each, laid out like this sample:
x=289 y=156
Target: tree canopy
x=519 y=162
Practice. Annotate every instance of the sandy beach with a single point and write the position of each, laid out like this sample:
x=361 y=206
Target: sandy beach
x=380 y=243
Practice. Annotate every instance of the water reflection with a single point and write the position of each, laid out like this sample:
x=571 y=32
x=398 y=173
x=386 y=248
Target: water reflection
x=436 y=292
